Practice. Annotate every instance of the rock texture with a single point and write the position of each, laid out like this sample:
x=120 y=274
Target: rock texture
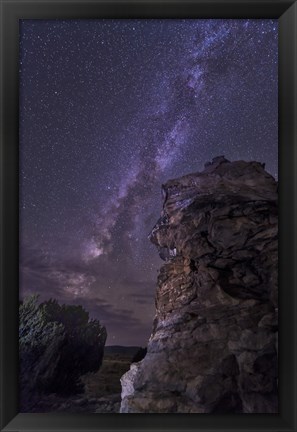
x=213 y=347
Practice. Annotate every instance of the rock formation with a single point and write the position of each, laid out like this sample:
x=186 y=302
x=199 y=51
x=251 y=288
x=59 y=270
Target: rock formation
x=213 y=347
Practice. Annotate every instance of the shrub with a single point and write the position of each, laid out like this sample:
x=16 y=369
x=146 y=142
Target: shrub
x=57 y=345
x=140 y=354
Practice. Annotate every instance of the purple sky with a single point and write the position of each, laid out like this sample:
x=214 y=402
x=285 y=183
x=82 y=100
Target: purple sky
x=110 y=110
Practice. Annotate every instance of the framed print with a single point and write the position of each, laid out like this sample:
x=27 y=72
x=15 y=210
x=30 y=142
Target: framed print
x=148 y=215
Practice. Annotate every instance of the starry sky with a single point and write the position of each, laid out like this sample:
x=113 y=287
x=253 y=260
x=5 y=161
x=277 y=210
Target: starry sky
x=110 y=110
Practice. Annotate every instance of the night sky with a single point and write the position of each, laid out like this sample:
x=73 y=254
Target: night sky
x=110 y=110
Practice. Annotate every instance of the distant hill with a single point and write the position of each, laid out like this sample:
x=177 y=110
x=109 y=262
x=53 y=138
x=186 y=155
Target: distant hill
x=126 y=351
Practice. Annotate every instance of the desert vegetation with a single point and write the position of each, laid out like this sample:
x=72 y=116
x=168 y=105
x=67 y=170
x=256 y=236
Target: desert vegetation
x=58 y=344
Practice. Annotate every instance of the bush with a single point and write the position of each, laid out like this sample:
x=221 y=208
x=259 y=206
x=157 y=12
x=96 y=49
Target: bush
x=58 y=344
x=141 y=353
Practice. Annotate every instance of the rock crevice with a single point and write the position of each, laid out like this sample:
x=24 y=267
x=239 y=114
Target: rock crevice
x=213 y=346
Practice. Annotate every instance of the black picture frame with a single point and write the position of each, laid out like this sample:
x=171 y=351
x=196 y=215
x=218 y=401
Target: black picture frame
x=14 y=10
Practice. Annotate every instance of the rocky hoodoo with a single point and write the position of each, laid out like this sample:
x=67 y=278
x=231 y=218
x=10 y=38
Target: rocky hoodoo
x=213 y=347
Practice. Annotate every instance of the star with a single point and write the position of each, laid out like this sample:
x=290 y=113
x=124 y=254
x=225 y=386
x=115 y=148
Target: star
x=109 y=111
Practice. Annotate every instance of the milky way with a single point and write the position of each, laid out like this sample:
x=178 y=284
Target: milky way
x=110 y=110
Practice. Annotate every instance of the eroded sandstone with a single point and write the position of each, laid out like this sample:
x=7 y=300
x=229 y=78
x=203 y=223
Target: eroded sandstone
x=213 y=346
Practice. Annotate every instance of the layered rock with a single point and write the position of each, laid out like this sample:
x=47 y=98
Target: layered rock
x=213 y=347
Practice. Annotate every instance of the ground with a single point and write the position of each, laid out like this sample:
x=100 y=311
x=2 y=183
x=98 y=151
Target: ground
x=102 y=392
